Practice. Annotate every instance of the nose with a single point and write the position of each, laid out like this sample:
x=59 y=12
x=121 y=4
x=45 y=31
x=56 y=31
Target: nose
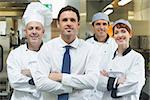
x=69 y=22
x=34 y=31
x=120 y=34
x=101 y=27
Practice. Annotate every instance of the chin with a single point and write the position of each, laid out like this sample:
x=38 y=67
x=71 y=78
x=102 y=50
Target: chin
x=120 y=43
x=69 y=34
x=34 y=41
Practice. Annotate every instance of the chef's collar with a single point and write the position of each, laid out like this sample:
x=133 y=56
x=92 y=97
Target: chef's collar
x=35 y=50
x=103 y=41
x=124 y=53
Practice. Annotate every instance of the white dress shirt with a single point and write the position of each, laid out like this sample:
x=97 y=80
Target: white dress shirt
x=18 y=59
x=105 y=51
x=132 y=66
x=84 y=70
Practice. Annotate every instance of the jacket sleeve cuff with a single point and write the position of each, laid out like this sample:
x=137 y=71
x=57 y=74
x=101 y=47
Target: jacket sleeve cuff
x=66 y=79
x=31 y=81
x=115 y=89
x=110 y=83
x=114 y=93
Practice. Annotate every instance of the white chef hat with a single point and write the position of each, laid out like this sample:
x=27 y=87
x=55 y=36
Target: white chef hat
x=100 y=16
x=123 y=21
x=36 y=11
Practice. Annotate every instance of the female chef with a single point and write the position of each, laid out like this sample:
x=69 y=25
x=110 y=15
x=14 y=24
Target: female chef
x=124 y=77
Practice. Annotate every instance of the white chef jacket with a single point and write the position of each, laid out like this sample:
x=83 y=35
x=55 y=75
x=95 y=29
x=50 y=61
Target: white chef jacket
x=132 y=66
x=84 y=73
x=105 y=51
x=19 y=59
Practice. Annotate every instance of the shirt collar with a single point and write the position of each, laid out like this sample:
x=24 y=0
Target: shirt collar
x=124 y=53
x=74 y=44
x=104 y=40
x=34 y=50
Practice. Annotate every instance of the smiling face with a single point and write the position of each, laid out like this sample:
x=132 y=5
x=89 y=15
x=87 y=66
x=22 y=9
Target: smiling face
x=34 y=32
x=122 y=34
x=68 y=24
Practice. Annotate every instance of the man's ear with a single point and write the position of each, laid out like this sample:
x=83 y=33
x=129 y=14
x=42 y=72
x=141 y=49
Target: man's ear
x=43 y=31
x=78 y=23
x=24 y=32
x=57 y=23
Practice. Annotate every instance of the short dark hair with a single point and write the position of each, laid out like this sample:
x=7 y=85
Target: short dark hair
x=121 y=25
x=69 y=8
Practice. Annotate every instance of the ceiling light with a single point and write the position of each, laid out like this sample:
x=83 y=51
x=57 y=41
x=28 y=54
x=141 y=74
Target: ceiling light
x=108 y=9
x=123 y=2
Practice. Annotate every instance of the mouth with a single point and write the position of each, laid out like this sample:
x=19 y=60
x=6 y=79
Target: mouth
x=121 y=39
x=68 y=29
x=34 y=37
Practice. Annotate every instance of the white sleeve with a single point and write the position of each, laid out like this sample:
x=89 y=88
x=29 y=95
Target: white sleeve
x=17 y=80
x=127 y=89
x=102 y=83
x=40 y=75
x=135 y=78
x=89 y=79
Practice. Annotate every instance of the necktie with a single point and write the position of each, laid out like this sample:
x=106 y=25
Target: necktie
x=65 y=69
